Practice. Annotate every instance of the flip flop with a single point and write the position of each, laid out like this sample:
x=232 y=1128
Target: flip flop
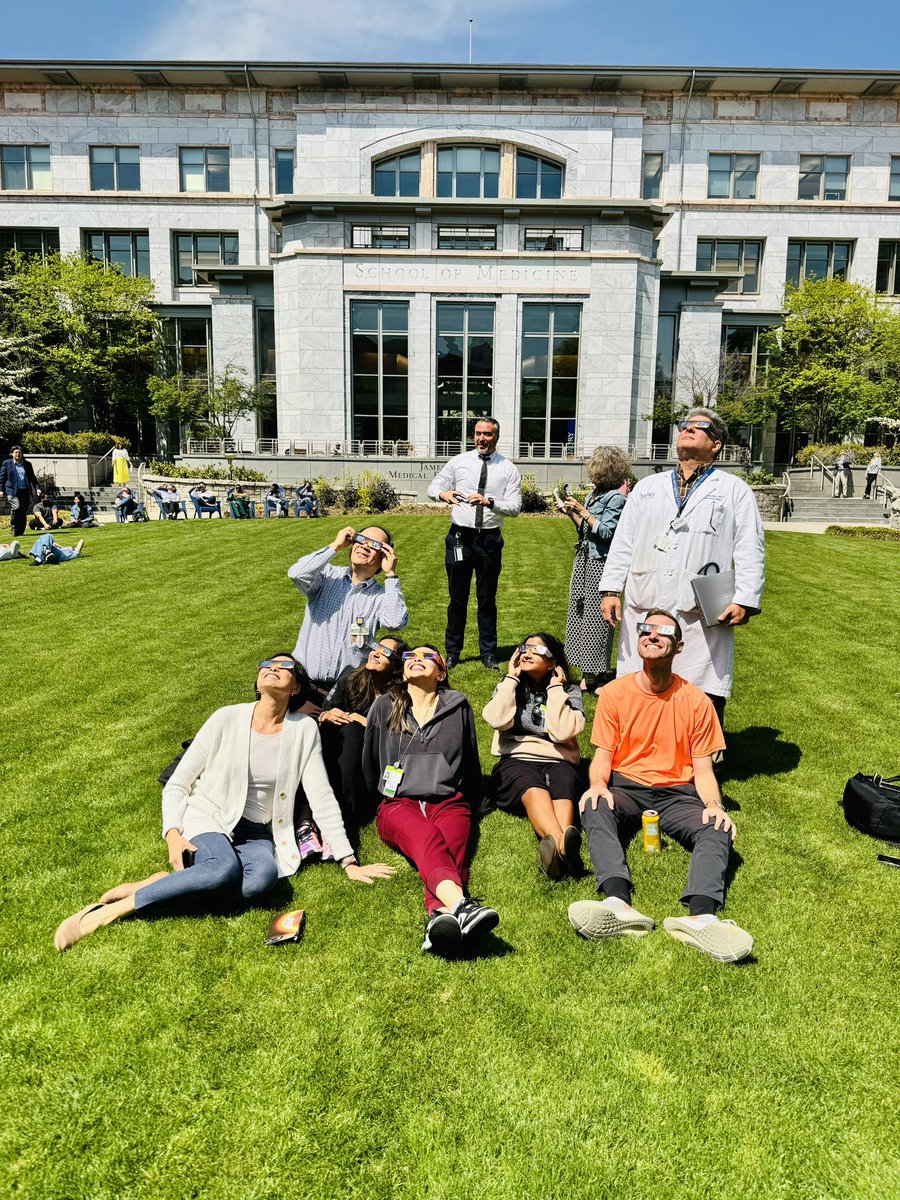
x=70 y=931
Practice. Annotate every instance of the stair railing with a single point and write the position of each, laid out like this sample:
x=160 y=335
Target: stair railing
x=824 y=472
x=787 y=500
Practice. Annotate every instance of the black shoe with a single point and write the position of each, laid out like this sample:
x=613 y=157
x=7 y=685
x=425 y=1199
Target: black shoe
x=551 y=864
x=572 y=851
x=490 y=662
x=442 y=935
x=475 y=920
x=452 y=660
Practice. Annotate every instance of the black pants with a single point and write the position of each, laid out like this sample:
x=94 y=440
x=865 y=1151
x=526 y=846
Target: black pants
x=342 y=747
x=481 y=552
x=871 y=481
x=19 y=515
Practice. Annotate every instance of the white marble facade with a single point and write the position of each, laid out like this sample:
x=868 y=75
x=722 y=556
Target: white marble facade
x=338 y=132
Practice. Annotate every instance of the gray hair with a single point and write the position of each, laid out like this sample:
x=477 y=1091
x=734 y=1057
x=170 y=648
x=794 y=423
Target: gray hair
x=719 y=428
x=608 y=468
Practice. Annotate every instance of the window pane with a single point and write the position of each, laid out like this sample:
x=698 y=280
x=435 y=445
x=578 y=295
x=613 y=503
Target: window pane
x=103 y=154
x=445 y=160
x=129 y=177
x=536 y=318
x=886 y=253
x=410 y=162
x=395 y=360
x=365 y=394
x=409 y=183
x=395 y=317
x=562 y=400
x=551 y=182
x=567 y=318
x=491 y=186
x=192 y=155
x=103 y=177
x=810 y=177
x=94 y=246
x=534 y=398
x=481 y=318
x=841 y=259
x=230 y=257
x=444 y=183
x=652 y=176
x=751 y=266
x=450 y=317
x=468 y=186
x=705 y=255
x=745 y=170
x=565 y=356
x=284 y=172
x=526 y=186
x=385 y=182
x=449 y=357
x=894 y=187
x=192 y=178
x=535 y=356
x=217 y=179
x=365 y=353
x=468 y=158
x=364 y=315
x=481 y=356
x=395 y=397
x=794 y=261
x=492 y=159
x=129 y=154
x=719 y=184
x=817 y=254
x=526 y=164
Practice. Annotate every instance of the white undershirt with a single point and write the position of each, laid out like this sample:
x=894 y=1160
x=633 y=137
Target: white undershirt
x=262 y=775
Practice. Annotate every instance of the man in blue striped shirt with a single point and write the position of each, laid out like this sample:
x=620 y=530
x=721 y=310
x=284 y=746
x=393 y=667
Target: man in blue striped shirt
x=346 y=606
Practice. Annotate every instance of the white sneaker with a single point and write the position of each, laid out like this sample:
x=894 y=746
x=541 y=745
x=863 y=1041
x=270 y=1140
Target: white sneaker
x=14 y=551
x=724 y=941
x=598 y=919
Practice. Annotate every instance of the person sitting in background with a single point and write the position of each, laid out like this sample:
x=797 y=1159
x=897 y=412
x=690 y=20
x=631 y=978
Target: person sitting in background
x=45 y=550
x=306 y=501
x=239 y=502
x=171 y=500
x=342 y=727
x=125 y=504
x=204 y=500
x=537 y=714
x=275 y=501
x=81 y=514
x=233 y=788
x=46 y=514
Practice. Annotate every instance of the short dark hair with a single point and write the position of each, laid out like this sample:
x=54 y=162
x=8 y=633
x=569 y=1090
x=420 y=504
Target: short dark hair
x=489 y=421
x=12 y=448
x=664 y=612
x=556 y=648
x=302 y=678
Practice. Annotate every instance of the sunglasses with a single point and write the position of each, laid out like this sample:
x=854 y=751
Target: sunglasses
x=277 y=664
x=422 y=655
x=387 y=651
x=372 y=543
x=541 y=651
x=706 y=426
x=663 y=630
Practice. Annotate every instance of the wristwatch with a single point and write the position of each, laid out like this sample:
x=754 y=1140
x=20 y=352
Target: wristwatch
x=603 y=595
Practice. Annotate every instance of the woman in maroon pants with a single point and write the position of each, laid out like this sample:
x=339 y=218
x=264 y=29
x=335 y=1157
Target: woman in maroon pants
x=421 y=756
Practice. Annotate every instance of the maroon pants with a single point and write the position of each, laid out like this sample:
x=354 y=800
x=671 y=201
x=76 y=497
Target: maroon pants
x=435 y=835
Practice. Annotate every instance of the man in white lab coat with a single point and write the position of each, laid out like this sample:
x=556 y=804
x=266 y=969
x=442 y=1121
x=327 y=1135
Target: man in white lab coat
x=673 y=525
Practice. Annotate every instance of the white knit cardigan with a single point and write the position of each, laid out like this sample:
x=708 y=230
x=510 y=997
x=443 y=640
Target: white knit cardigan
x=208 y=789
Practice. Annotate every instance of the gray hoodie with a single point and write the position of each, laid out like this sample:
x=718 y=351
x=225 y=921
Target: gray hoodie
x=438 y=760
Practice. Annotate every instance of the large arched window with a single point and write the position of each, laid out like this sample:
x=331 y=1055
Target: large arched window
x=397 y=176
x=468 y=171
x=537 y=178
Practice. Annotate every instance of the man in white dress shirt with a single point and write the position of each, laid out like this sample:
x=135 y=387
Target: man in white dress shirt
x=672 y=526
x=482 y=487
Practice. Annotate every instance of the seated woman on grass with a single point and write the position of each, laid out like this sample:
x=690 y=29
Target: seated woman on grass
x=421 y=754
x=342 y=726
x=537 y=714
x=228 y=815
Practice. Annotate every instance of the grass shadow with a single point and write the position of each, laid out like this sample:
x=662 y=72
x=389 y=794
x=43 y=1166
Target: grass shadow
x=758 y=750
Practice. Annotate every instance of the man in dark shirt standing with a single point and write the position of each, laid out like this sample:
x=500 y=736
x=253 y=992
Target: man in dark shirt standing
x=19 y=484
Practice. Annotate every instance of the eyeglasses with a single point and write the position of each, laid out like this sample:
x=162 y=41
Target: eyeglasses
x=276 y=664
x=706 y=426
x=663 y=630
x=422 y=655
x=378 y=647
x=372 y=543
x=541 y=651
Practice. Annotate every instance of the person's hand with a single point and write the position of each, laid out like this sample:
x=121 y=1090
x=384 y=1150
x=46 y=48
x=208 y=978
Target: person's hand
x=450 y=497
x=721 y=819
x=734 y=614
x=177 y=844
x=515 y=666
x=389 y=560
x=558 y=675
x=370 y=873
x=596 y=792
x=359 y=719
x=571 y=505
x=611 y=610
x=477 y=498
x=335 y=716
x=343 y=539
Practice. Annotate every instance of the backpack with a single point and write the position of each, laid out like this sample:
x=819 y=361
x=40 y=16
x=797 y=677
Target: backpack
x=872 y=805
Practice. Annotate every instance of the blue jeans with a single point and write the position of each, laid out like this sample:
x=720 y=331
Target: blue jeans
x=225 y=871
x=60 y=553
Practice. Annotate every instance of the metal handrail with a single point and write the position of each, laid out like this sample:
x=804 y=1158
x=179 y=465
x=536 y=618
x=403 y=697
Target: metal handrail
x=813 y=460
x=787 y=500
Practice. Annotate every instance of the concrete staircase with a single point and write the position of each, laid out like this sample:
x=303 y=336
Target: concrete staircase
x=811 y=503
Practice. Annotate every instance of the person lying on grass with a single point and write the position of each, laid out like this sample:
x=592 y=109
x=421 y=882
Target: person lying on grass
x=655 y=736
x=537 y=714
x=228 y=810
x=421 y=754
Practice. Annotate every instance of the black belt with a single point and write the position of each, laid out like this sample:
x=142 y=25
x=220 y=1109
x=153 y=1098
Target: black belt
x=471 y=531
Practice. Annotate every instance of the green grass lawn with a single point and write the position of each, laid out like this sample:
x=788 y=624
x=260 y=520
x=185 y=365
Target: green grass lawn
x=184 y=1058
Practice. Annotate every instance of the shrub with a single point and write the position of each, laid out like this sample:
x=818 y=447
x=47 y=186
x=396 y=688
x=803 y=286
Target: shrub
x=867 y=532
x=348 y=495
x=326 y=491
x=758 y=478
x=375 y=493
x=532 y=500
x=859 y=455
x=56 y=442
x=170 y=470
x=578 y=491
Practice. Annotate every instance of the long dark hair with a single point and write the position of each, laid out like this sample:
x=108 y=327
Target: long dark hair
x=556 y=648
x=302 y=679
x=360 y=685
x=398 y=718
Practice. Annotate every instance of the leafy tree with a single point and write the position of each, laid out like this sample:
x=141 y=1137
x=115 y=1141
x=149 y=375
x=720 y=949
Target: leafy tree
x=93 y=336
x=212 y=407
x=835 y=361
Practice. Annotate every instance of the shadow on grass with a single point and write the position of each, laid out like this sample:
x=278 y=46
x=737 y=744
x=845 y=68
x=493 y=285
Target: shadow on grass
x=758 y=750
x=489 y=947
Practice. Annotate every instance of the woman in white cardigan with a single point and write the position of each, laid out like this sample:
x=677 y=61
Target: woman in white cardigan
x=228 y=810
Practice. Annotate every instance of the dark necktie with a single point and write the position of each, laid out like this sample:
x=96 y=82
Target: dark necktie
x=482 y=484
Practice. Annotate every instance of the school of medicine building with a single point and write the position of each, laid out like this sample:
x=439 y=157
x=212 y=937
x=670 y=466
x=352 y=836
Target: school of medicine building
x=405 y=248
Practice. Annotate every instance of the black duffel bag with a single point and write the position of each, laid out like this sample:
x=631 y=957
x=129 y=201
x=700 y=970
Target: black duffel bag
x=872 y=804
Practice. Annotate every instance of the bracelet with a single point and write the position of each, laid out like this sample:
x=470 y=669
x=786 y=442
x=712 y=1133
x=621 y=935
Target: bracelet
x=512 y=677
x=603 y=595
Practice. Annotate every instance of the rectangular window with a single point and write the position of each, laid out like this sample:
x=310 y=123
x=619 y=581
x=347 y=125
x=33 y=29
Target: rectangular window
x=550 y=346
x=887 y=277
x=652 y=179
x=467 y=237
x=115 y=168
x=732 y=257
x=823 y=176
x=817 y=260
x=468 y=171
x=203 y=250
x=187 y=341
x=284 y=172
x=465 y=371
x=380 y=367
x=380 y=237
x=204 y=169
x=129 y=251
x=35 y=243
x=554 y=239
x=732 y=176
x=265 y=342
x=743 y=358
x=894 y=186
x=25 y=168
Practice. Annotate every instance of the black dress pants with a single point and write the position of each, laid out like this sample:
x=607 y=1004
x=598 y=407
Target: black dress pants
x=468 y=551
x=18 y=518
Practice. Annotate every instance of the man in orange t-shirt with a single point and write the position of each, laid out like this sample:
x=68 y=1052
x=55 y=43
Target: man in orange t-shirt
x=655 y=736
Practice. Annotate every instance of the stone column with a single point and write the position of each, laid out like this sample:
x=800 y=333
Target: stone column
x=234 y=346
x=699 y=351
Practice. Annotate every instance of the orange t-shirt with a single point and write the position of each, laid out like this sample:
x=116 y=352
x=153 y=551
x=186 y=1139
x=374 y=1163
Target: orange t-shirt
x=654 y=736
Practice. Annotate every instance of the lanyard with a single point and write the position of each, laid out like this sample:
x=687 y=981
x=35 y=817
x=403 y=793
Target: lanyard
x=679 y=503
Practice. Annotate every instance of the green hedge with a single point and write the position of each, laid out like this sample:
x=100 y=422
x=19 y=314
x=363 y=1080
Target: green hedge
x=371 y=493
x=866 y=532
x=52 y=442
x=859 y=455
x=181 y=471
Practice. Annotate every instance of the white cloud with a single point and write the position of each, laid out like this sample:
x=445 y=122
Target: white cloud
x=342 y=30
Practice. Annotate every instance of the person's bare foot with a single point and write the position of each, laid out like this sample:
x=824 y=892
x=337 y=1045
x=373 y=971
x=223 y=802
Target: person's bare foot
x=128 y=889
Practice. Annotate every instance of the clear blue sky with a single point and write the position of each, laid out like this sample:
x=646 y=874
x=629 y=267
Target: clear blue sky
x=801 y=33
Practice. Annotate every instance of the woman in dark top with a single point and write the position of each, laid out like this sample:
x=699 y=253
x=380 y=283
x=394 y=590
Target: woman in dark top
x=537 y=714
x=342 y=727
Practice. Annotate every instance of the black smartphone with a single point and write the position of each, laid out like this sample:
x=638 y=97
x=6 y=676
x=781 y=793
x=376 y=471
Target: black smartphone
x=187 y=858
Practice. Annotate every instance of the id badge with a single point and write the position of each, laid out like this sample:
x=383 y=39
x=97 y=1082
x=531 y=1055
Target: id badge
x=662 y=542
x=680 y=525
x=457 y=551
x=391 y=780
x=358 y=632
